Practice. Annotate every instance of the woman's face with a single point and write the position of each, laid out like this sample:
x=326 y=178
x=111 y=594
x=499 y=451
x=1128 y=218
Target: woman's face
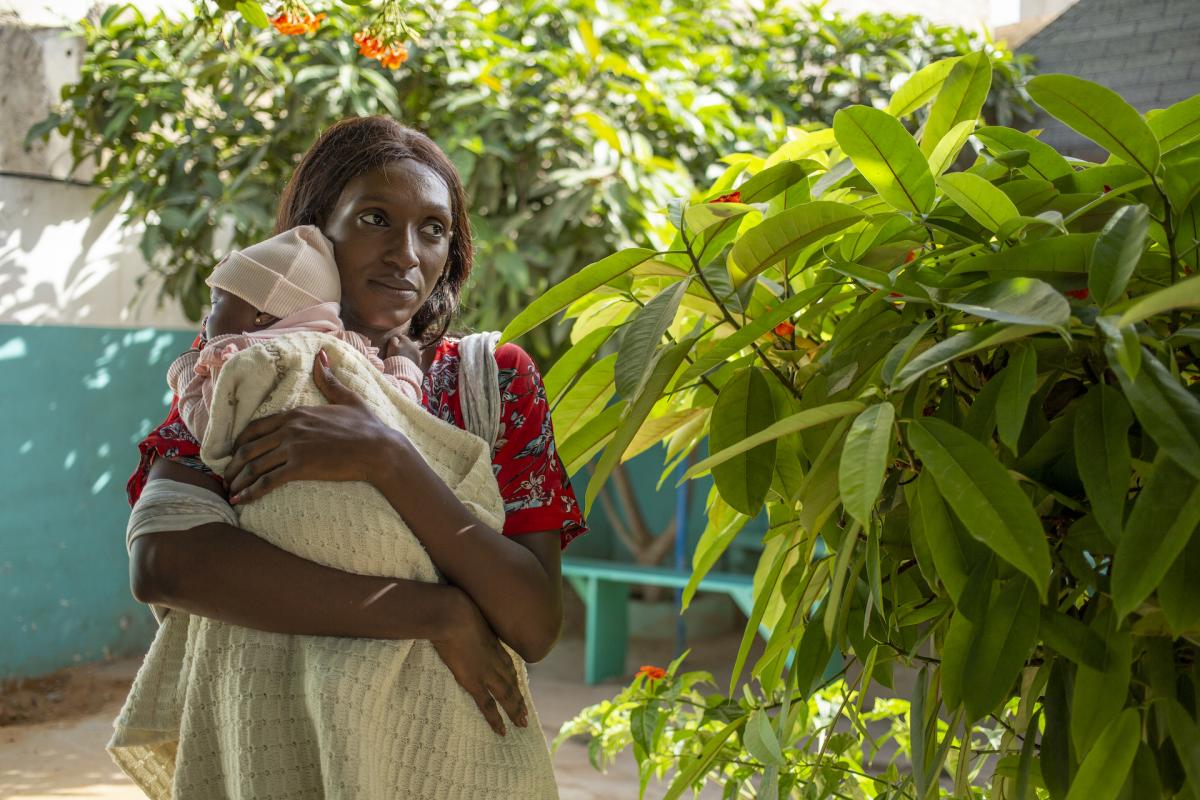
x=390 y=230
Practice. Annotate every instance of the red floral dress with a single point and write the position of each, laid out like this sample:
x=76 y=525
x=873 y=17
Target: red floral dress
x=536 y=490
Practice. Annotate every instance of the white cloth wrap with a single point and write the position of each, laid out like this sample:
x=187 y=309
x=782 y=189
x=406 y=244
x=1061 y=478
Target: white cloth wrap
x=218 y=710
x=479 y=384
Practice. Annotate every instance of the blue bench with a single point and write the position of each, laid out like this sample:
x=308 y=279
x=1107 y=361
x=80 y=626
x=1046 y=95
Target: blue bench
x=604 y=587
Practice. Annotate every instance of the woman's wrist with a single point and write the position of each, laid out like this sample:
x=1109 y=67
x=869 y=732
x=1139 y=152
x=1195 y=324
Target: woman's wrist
x=392 y=458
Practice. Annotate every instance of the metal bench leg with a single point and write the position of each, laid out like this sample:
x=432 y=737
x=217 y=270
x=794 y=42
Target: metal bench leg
x=607 y=630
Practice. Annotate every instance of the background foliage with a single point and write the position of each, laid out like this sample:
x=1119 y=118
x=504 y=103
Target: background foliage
x=968 y=402
x=573 y=123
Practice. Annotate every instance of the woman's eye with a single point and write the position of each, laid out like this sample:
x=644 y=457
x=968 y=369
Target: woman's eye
x=436 y=229
x=373 y=215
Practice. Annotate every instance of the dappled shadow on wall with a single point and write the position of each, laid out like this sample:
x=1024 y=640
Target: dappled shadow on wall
x=77 y=401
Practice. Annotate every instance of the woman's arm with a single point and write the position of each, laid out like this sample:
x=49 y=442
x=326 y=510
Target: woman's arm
x=226 y=573
x=518 y=591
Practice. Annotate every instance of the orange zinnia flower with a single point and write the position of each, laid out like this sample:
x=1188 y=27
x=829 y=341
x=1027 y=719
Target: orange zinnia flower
x=653 y=673
x=785 y=329
x=732 y=197
x=295 y=19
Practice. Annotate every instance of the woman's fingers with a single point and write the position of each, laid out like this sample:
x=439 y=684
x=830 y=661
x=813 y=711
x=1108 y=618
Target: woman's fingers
x=253 y=468
x=260 y=428
x=250 y=450
x=263 y=484
x=508 y=691
x=490 y=711
x=328 y=383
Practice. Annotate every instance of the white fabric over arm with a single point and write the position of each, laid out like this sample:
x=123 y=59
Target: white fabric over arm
x=167 y=505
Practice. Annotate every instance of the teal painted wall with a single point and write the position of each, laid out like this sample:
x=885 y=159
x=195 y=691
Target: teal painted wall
x=76 y=401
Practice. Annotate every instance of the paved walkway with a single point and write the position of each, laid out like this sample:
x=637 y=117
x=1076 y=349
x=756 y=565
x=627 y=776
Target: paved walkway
x=66 y=758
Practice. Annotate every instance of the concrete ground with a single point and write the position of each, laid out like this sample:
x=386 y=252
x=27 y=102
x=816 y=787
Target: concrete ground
x=64 y=757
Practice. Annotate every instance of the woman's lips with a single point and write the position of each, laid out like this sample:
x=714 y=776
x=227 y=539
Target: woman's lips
x=397 y=288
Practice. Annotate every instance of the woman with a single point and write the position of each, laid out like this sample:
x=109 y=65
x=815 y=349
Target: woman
x=394 y=208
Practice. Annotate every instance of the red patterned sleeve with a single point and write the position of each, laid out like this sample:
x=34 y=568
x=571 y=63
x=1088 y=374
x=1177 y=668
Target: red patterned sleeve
x=533 y=482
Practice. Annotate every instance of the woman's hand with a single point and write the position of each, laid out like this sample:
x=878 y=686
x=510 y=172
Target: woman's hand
x=343 y=441
x=481 y=665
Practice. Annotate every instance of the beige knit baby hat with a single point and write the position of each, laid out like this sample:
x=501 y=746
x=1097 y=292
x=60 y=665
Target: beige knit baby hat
x=284 y=274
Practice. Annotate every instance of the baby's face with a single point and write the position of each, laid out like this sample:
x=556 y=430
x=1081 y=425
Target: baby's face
x=230 y=314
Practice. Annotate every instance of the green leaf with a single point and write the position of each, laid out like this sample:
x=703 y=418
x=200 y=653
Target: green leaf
x=1057 y=761
x=773 y=180
x=864 y=460
x=1116 y=253
x=1020 y=301
x=252 y=12
x=1177 y=593
x=1071 y=638
x=982 y=201
x=1099 y=695
x=921 y=87
x=947 y=150
x=1012 y=403
x=984 y=496
x=686 y=777
x=1001 y=641
x=1044 y=161
x=760 y=740
x=1102 y=455
x=751 y=332
x=638 y=409
x=961 y=344
x=1101 y=115
x=1166 y=410
x=1103 y=771
x=643 y=721
x=887 y=156
x=569 y=363
x=900 y=352
x=1067 y=253
x=742 y=410
x=796 y=422
x=787 y=233
x=586 y=398
x=642 y=336
x=954 y=557
x=1177 y=125
x=558 y=297
x=579 y=447
x=1185 y=294
x=1185 y=736
x=1162 y=521
x=960 y=98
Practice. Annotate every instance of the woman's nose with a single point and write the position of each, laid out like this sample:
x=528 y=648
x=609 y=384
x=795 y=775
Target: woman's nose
x=401 y=249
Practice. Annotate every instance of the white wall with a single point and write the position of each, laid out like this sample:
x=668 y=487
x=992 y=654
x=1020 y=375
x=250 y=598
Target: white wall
x=60 y=263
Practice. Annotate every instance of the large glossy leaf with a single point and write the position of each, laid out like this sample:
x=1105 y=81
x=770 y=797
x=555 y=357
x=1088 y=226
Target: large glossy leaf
x=1101 y=115
x=723 y=525
x=1099 y=695
x=1162 y=521
x=586 y=398
x=1177 y=125
x=795 y=422
x=642 y=336
x=703 y=763
x=961 y=344
x=1012 y=403
x=578 y=448
x=788 y=232
x=1103 y=771
x=954 y=556
x=635 y=414
x=947 y=150
x=1069 y=637
x=772 y=181
x=1177 y=593
x=960 y=99
x=1102 y=455
x=998 y=643
x=743 y=408
x=1116 y=253
x=571 y=362
x=1044 y=161
x=1185 y=294
x=1020 y=301
x=1167 y=411
x=558 y=297
x=864 y=459
x=1067 y=253
x=921 y=87
x=983 y=495
x=887 y=156
x=982 y=201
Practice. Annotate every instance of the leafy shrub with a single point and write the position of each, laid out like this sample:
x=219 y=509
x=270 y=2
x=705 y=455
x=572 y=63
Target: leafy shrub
x=978 y=390
x=572 y=123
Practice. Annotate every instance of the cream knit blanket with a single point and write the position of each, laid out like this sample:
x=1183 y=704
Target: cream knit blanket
x=220 y=711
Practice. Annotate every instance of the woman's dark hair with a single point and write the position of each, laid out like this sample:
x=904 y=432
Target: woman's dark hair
x=357 y=145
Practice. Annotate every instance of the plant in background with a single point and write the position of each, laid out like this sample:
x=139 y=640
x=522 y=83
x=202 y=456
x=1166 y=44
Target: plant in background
x=572 y=124
x=967 y=402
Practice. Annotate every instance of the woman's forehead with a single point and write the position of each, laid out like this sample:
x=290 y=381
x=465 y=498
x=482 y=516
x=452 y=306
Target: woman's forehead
x=401 y=181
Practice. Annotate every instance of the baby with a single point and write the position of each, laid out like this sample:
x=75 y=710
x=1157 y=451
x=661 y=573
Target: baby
x=285 y=284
